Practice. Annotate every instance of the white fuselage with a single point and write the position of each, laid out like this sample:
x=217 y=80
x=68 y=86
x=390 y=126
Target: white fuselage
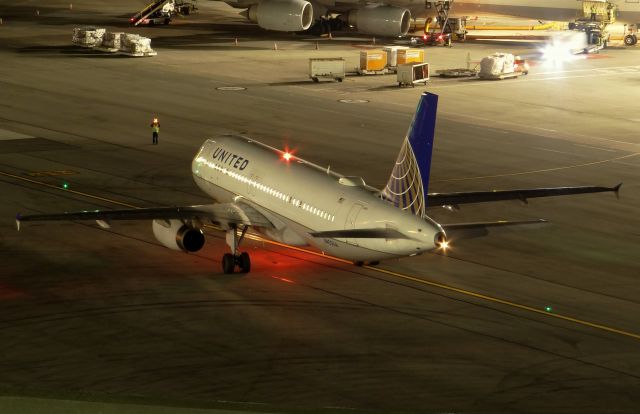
x=300 y=198
x=628 y=11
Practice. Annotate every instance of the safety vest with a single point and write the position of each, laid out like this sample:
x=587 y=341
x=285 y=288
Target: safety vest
x=155 y=127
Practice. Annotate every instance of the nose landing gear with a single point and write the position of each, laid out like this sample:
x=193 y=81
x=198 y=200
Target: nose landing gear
x=233 y=259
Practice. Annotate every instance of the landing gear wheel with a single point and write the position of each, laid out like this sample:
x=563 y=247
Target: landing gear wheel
x=228 y=263
x=244 y=262
x=630 y=40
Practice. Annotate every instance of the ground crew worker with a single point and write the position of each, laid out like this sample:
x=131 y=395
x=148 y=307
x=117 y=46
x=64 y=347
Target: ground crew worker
x=593 y=12
x=155 y=129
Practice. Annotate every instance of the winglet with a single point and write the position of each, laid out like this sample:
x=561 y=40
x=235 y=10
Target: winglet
x=616 y=189
x=18 y=217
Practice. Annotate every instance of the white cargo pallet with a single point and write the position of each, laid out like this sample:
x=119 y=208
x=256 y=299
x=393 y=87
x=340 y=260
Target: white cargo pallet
x=106 y=49
x=374 y=72
x=500 y=76
x=116 y=51
x=138 y=54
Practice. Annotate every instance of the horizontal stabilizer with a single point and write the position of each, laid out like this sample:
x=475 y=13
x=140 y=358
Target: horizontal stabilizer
x=361 y=234
x=458 y=231
x=454 y=199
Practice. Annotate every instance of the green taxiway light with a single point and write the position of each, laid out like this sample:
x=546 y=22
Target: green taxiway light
x=548 y=308
x=65 y=185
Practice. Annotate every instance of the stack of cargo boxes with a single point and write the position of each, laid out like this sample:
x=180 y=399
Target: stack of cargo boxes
x=373 y=61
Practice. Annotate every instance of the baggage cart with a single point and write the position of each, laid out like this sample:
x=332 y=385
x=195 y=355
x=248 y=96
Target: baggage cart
x=327 y=68
x=413 y=73
x=406 y=56
x=373 y=62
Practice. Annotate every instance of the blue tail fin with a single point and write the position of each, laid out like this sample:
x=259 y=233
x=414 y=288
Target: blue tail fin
x=409 y=182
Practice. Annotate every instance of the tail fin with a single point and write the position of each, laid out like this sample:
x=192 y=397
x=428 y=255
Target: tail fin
x=409 y=181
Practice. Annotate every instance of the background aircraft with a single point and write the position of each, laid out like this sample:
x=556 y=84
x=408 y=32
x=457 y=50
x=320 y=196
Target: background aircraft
x=293 y=201
x=390 y=18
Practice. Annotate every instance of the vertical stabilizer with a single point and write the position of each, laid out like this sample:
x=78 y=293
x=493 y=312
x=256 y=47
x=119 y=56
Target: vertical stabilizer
x=409 y=181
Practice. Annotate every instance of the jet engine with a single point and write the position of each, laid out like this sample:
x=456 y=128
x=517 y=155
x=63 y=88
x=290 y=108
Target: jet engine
x=281 y=15
x=176 y=235
x=381 y=21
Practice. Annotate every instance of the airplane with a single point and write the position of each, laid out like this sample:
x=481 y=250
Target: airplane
x=385 y=18
x=287 y=199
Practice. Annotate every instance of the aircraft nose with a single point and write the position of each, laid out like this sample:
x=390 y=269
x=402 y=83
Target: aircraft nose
x=440 y=240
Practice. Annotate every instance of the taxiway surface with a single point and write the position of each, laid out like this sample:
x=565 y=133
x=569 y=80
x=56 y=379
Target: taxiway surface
x=520 y=321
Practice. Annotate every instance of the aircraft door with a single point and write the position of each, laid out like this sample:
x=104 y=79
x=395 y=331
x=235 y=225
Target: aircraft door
x=350 y=223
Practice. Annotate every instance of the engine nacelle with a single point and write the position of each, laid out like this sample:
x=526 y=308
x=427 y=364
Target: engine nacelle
x=282 y=15
x=381 y=21
x=176 y=235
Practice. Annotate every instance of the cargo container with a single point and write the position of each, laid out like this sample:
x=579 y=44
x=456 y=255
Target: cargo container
x=412 y=73
x=392 y=54
x=406 y=56
x=327 y=68
x=372 y=61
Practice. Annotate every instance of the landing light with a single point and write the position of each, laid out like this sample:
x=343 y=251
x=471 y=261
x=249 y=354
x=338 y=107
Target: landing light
x=444 y=245
x=286 y=156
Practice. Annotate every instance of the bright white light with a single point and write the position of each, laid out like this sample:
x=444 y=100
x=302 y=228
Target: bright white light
x=444 y=245
x=563 y=48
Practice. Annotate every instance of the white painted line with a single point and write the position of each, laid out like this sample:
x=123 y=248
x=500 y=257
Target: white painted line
x=231 y=88
x=353 y=101
x=551 y=150
x=592 y=147
x=7 y=135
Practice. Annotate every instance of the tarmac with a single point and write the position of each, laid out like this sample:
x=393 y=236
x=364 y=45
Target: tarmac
x=521 y=321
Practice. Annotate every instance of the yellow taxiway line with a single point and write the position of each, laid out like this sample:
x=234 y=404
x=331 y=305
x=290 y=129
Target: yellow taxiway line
x=391 y=273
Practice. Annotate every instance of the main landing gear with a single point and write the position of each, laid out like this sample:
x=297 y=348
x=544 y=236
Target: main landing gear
x=233 y=259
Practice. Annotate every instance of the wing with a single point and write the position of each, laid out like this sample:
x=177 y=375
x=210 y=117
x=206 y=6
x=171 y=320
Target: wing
x=457 y=231
x=223 y=214
x=454 y=199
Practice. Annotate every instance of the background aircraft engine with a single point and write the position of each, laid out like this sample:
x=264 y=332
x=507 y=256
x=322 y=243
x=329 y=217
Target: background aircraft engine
x=282 y=15
x=176 y=235
x=381 y=21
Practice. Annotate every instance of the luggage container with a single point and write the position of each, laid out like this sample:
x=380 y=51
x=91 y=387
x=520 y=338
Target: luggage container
x=327 y=68
x=406 y=56
x=392 y=54
x=499 y=66
x=412 y=73
x=88 y=37
x=373 y=62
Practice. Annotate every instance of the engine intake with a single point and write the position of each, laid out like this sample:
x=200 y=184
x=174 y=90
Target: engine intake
x=176 y=235
x=282 y=15
x=381 y=21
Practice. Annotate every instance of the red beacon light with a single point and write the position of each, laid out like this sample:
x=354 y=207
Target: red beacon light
x=286 y=156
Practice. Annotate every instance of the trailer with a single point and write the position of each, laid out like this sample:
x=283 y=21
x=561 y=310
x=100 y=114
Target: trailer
x=413 y=73
x=327 y=68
